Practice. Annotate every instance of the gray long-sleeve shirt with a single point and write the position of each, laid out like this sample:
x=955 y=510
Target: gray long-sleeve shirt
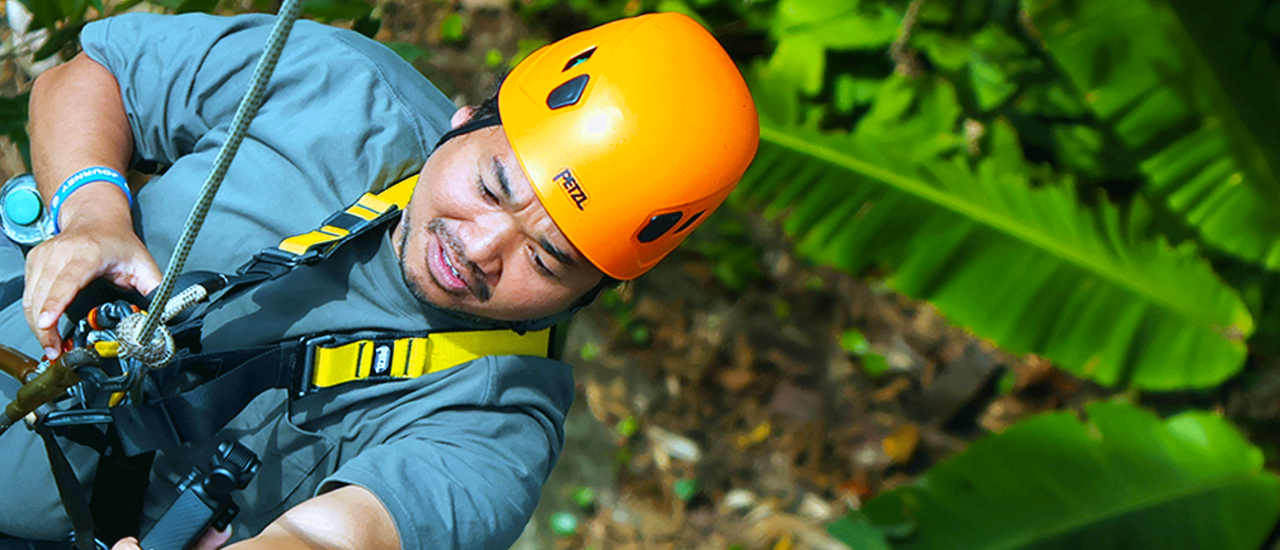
x=457 y=457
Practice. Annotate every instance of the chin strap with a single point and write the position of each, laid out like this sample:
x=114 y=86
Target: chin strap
x=470 y=126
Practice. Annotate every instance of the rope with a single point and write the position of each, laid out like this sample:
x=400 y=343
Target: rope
x=239 y=126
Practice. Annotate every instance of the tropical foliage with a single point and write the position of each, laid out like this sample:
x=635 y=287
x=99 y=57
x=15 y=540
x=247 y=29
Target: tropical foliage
x=1057 y=176
x=1096 y=182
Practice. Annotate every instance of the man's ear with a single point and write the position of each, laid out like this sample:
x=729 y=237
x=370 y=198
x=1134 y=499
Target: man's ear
x=461 y=116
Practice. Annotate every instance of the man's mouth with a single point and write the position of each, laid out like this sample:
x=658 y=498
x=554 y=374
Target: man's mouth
x=449 y=268
x=445 y=271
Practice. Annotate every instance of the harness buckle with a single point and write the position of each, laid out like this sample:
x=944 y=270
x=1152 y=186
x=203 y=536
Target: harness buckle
x=304 y=374
x=275 y=256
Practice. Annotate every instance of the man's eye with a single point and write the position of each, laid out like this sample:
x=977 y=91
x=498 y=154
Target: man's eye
x=537 y=260
x=488 y=195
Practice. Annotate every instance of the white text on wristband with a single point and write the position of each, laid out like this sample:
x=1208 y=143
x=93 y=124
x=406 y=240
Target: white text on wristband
x=80 y=179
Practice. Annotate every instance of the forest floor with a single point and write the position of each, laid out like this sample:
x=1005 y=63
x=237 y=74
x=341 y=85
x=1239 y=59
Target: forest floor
x=736 y=397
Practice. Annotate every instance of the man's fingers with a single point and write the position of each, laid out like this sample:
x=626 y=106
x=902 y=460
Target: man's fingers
x=141 y=273
x=211 y=540
x=127 y=543
x=50 y=294
x=34 y=294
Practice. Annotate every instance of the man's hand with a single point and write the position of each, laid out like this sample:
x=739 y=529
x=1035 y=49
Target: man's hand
x=347 y=518
x=89 y=247
x=212 y=540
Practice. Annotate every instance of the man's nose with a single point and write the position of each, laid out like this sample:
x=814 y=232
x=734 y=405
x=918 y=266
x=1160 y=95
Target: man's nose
x=490 y=240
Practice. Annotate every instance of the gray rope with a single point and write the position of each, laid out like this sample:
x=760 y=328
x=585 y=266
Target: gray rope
x=239 y=125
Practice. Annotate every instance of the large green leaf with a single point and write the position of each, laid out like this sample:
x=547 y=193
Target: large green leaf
x=1122 y=480
x=1027 y=268
x=805 y=30
x=1196 y=108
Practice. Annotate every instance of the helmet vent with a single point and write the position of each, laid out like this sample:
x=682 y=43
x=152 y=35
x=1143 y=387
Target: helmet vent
x=568 y=93
x=690 y=221
x=658 y=226
x=578 y=59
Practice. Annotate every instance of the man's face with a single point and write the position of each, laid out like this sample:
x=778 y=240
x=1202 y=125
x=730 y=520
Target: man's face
x=474 y=237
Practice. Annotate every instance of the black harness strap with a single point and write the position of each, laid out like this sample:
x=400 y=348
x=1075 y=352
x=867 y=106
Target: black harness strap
x=73 y=500
x=119 y=489
x=237 y=376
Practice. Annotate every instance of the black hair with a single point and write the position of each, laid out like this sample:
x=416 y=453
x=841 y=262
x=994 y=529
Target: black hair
x=489 y=107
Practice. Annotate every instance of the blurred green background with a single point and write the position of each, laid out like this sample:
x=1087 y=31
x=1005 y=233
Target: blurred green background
x=1002 y=275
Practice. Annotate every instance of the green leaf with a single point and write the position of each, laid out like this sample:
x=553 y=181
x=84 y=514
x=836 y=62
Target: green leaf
x=493 y=58
x=58 y=40
x=854 y=342
x=44 y=13
x=836 y=24
x=685 y=489
x=453 y=28
x=409 y=52
x=857 y=534
x=199 y=6
x=336 y=10
x=1028 y=268
x=851 y=92
x=1124 y=479
x=172 y=4
x=874 y=364
x=806 y=29
x=13 y=122
x=1188 y=91
x=367 y=25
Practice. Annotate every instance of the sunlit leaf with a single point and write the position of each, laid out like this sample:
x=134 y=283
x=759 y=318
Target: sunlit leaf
x=1191 y=91
x=806 y=29
x=1122 y=480
x=1030 y=269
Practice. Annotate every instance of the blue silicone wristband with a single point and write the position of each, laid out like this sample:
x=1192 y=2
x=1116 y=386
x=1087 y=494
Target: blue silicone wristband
x=80 y=179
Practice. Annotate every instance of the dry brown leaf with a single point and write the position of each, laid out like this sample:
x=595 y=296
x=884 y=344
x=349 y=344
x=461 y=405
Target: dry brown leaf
x=891 y=391
x=902 y=443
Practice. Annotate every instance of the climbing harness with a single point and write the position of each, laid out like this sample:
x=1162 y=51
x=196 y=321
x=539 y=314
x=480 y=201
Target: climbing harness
x=304 y=365
x=172 y=414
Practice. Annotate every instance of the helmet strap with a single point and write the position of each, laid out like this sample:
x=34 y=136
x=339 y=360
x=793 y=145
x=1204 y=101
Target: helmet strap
x=470 y=126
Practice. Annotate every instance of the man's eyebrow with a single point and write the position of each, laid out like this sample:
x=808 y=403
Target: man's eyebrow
x=558 y=254
x=503 y=182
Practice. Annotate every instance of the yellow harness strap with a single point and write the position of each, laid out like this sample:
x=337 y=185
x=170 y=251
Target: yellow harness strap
x=367 y=208
x=397 y=357
x=415 y=356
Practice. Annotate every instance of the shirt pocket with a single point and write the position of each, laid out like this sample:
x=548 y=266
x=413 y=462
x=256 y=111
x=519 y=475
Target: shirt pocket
x=293 y=462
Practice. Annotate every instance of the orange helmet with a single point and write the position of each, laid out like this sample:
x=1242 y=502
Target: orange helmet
x=632 y=133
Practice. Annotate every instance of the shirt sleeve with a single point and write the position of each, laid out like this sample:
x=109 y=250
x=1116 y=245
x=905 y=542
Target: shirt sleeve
x=469 y=476
x=333 y=93
x=173 y=78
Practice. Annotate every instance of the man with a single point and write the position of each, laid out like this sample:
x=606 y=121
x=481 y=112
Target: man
x=599 y=154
